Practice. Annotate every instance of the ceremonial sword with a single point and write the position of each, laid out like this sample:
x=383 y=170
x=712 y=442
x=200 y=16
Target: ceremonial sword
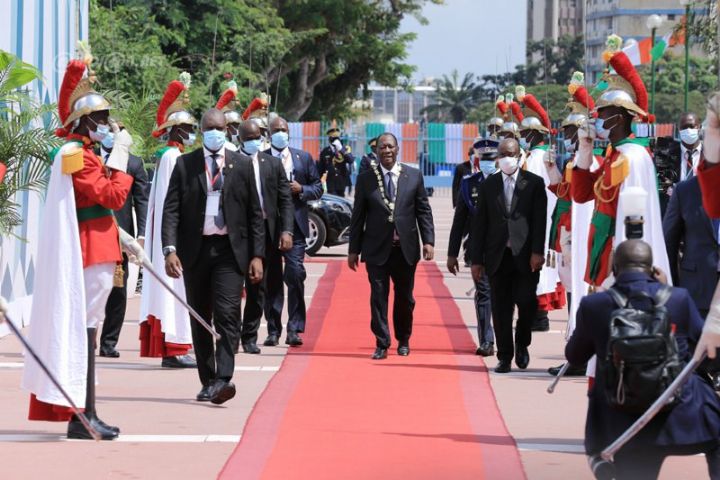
x=131 y=246
x=79 y=414
x=557 y=378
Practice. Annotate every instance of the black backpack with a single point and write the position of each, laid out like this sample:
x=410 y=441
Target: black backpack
x=642 y=354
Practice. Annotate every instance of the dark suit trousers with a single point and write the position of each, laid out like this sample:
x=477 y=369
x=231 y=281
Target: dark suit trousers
x=294 y=277
x=483 y=310
x=645 y=464
x=213 y=287
x=266 y=296
x=510 y=286
x=115 y=313
x=403 y=278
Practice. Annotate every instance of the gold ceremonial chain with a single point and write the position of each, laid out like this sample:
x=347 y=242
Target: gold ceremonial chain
x=562 y=193
x=599 y=188
x=381 y=185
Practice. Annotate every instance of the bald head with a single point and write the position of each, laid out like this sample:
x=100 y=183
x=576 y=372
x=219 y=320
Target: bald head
x=509 y=147
x=633 y=256
x=249 y=130
x=212 y=119
x=278 y=124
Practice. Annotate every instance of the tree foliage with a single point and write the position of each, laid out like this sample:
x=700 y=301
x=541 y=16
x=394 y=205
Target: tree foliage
x=454 y=98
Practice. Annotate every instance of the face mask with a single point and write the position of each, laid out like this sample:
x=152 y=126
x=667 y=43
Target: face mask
x=689 y=136
x=252 y=146
x=524 y=144
x=108 y=142
x=280 y=140
x=100 y=132
x=234 y=138
x=487 y=167
x=190 y=140
x=601 y=130
x=214 y=140
x=508 y=165
x=569 y=145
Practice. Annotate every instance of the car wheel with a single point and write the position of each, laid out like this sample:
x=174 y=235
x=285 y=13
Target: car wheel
x=317 y=234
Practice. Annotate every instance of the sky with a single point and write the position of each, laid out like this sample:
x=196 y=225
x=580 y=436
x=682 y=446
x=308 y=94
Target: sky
x=478 y=36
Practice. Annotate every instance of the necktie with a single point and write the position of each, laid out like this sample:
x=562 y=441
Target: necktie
x=217 y=183
x=390 y=187
x=689 y=164
x=509 y=191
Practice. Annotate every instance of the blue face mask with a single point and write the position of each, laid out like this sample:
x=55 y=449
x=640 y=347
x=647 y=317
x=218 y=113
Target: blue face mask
x=280 y=140
x=190 y=140
x=214 y=140
x=603 y=133
x=487 y=167
x=252 y=146
x=524 y=144
x=100 y=132
x=108 y=141
x=569 y=145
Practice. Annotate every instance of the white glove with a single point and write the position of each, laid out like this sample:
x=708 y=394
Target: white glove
x=121 y=151
x=338 y=145
x=3 y=307
x=711 y=131
x=550 y=164
x=586 y=137
x=134 y=251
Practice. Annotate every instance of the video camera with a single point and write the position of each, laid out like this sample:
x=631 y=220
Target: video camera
x=666 y=154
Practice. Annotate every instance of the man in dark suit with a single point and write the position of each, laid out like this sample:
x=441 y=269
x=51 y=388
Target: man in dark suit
x=462 y=170
x=305 y=186
x=691 y=238
x=367 y=160
x=336 y=161
x=465 y=212
x=137 y=202
x=213 y=234
x=391 y=213
x=276 y=202
x=508 y=243
x=692 y=425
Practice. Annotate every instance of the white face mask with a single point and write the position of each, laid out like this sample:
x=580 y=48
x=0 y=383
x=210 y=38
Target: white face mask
x=508 y=165
x=690 y=136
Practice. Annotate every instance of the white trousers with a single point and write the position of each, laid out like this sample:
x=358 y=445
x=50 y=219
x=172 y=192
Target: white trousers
x=98 y=284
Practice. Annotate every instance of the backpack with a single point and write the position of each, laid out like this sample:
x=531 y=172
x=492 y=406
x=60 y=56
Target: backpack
x=642 y=353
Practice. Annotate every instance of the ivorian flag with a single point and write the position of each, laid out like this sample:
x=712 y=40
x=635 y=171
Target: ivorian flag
x=643 y=51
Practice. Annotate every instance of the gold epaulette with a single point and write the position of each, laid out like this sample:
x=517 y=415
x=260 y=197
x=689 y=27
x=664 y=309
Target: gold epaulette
x=348 y=149
x=72 y=160
x=619 y=170
x=568 y=171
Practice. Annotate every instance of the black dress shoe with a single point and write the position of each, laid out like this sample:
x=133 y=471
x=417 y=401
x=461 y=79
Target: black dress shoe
x=105 y=425
x=573 y=371
x=403 y=350
x=522 y=357
x=503 y=366
x=109 y=353
x=179 y=361
x=251 y=348
x=271 y=341
x=380 y=354
x=221 y=392
x=204 y=394
x=486 y=349
x=293 y=339
x=541 y=324
x=76 y=430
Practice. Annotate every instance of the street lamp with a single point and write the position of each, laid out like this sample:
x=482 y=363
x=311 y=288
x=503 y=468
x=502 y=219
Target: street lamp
x=653 y=22
x=687 y=4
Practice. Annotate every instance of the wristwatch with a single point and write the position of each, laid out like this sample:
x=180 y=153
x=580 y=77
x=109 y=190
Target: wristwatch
x=168 y=250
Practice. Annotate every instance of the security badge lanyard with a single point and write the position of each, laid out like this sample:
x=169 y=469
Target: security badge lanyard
x=212 y=206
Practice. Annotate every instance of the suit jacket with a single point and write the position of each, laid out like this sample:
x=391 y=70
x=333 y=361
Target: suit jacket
x=524 y=226
x=689 y=230
x=694 y=420
x=184 y=210
x=137 y=199
x=277 y=199
x=464 y=212
x=461 y=171
x=365 y=162
x=305 y=172
x=371 y=234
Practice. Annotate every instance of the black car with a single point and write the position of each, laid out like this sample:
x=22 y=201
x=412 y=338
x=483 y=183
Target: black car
x=329 y=219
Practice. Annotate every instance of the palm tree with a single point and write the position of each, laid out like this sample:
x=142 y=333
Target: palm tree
x=26 y=138
x=454 y=99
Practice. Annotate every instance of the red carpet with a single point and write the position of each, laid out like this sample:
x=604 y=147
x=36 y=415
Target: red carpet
x=332 y=413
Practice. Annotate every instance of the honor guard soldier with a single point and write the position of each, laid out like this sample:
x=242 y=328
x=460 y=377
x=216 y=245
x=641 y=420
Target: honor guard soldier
x=335 y=163
x=227 y=103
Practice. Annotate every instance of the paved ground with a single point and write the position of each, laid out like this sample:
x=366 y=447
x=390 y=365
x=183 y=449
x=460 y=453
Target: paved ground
x=166 y=435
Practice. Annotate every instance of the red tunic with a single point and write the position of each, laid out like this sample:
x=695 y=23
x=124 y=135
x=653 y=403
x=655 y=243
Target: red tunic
x=93 y=186
x=709 y=178
x=562 y=216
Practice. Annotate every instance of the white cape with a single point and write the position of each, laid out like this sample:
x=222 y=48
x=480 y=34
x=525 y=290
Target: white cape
x=549 y=277
x=58 y=322
x=156 y=301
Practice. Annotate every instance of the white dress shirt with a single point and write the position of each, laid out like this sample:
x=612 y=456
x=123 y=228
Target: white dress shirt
x=395 y=175
x=286 y=156
x=683 y=160
x=209 y=227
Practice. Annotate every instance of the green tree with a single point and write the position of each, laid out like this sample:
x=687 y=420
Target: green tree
x=26 y=137
x=550 y=61
x=454 y=98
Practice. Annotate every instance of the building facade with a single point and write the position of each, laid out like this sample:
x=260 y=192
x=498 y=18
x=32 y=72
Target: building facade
x=553 y=19
x=395 y=105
